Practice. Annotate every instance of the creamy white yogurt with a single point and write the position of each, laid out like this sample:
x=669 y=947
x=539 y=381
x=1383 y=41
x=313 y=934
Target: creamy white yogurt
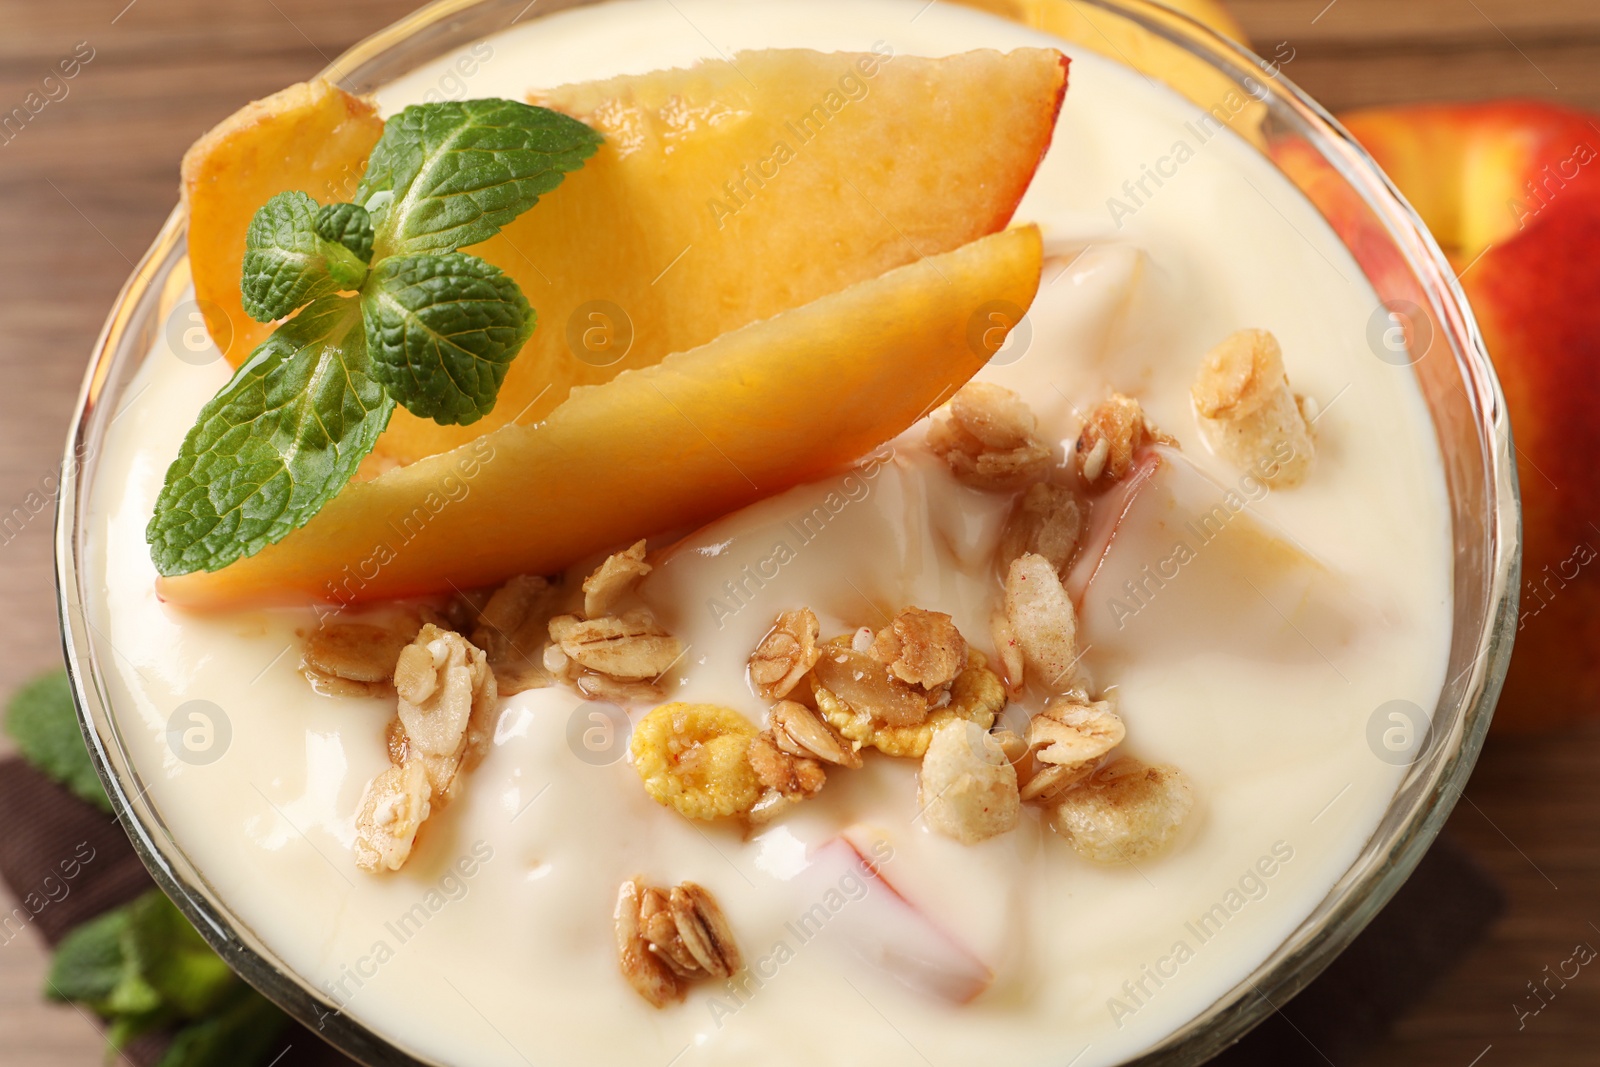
x=494 y=945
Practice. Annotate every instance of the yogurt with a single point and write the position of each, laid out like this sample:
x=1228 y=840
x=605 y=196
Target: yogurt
x=493 y=946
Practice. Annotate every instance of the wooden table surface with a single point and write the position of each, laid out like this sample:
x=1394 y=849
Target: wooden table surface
x=85 y=185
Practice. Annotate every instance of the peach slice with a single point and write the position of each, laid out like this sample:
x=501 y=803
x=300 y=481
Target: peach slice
x=311 y=137
x=734 y=190
x=884 y=927
x=1176 y=563
x=754 y=412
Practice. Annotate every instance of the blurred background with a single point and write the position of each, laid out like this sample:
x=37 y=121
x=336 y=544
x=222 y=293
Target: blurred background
x=87 y=181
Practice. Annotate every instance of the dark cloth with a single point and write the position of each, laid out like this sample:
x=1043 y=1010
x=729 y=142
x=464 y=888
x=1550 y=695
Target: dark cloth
x=1444 y=909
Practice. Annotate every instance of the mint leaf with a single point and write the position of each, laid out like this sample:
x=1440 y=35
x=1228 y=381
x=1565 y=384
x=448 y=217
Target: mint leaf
x=458 y=171
x=90 y=963
x=274 y=445
x=143 y=967
x=442 y=330
x=170 y=955
x=244 y=1032
x=44 y=723
x=287 y=264
x=348 y=225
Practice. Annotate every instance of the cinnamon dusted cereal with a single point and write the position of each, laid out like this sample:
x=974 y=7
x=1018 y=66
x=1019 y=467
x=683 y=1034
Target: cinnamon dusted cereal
x=968 y=787
x=1125 y=812
x=1041 y=618
x=1247 y=412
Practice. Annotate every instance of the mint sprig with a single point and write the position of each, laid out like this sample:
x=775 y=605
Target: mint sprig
x=142 y=967
x=43 y=722
x=428 y=327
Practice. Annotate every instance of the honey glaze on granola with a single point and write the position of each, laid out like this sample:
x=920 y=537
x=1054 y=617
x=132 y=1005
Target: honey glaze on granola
x=864 y=927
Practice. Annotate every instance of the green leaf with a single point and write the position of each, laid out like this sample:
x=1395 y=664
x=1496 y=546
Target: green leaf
x=245 y=1032
x=348 y=225
x=90 y=962
x=287 y=264
x=442 y=330
x=458 y=171
x=174 y=959
x=278 y=442
x=44 y=724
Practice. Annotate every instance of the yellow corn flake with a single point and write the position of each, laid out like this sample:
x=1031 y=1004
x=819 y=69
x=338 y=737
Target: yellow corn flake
x=692 y=757
x=977 y=696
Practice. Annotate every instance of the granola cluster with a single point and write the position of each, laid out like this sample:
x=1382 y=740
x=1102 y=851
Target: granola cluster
x=667 y=939
x=444 y=720
x=607 y=652
x=1113 y=433
x=990 y=438
x=975 y=778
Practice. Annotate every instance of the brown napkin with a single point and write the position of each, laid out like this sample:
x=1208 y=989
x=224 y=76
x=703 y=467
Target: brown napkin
x=45 y=827
x=1443 y=910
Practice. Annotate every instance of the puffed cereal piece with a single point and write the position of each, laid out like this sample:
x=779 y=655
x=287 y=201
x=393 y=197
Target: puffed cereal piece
x=968 y=788
x=1125 y=812
x=1042 y=618
x=693 y=758
x=1247 y=412
x=990 y=439
x=976 y=696
x=392 y=810
x=1115 y=429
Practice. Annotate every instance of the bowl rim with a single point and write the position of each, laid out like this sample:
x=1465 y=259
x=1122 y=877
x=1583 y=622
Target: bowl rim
x=1287 y=970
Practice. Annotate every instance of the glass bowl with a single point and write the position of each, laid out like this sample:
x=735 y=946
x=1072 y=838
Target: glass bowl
x=1436 y=337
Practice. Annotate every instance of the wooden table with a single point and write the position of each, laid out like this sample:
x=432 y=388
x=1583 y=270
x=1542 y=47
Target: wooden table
x=85 y=185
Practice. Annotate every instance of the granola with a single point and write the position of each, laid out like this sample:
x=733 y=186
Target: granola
x=511 y=627
x=392 y=810
x=1247 y=412
x=666 y=939
x=785 y=654
x=990 y=439
x=352 y=658
x=447 y=695
x=1114 y=430
x=795 y=777
x=921 y=648
x=1047 y=521
x=976 y=696
x=613 y=579
x=646 y=970
x=1067 y=741
x=631 y=648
